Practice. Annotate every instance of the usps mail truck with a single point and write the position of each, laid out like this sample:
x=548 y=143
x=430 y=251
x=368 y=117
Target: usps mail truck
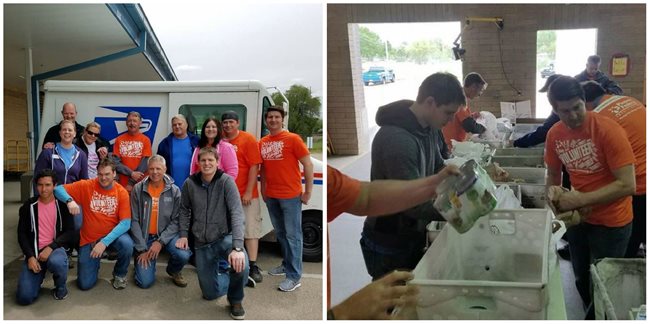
x=108 y=102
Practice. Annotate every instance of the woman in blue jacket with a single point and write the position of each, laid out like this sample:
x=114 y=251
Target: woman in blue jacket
x=67 y=160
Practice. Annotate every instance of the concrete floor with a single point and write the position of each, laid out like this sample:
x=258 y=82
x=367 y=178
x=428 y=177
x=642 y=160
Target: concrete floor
x=348 y=270
x=162 y=301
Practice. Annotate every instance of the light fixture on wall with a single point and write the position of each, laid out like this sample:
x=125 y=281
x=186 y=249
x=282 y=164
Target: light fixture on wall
x=459 y=53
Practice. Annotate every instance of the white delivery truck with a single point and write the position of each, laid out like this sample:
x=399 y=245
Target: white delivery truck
x=108 y=102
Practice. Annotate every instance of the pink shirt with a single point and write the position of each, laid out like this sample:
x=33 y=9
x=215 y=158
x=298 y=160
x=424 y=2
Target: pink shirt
x=46 y=223
x=227 y=159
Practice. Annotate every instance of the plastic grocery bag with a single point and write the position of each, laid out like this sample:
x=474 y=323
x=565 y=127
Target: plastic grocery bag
x=506 y=198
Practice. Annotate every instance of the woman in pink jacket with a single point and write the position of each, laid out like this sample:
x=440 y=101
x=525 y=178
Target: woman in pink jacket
x=211 y=134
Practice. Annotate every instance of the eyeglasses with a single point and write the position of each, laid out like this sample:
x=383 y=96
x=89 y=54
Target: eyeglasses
x=92 y=134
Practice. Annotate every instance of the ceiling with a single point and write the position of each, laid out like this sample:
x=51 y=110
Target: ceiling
x=61 y=35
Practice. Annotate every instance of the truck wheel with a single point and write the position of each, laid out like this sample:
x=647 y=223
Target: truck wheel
x=383 y=80
x=312 y=236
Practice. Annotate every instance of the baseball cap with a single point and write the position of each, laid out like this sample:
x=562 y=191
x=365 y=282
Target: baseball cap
x=549 y=80
x=229 y=115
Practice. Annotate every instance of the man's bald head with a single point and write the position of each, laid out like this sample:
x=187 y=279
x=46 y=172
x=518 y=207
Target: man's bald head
x=69 y=111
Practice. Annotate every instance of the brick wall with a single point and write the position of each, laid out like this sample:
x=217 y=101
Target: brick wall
x=621 y=28
x=15 y=115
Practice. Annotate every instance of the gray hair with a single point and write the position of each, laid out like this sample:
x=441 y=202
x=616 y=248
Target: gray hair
x=156 y=158
x=94 y=124
x=134 y=113
x=181 y=117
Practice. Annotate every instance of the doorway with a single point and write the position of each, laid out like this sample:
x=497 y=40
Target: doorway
x=561 y=52
x=405 y=53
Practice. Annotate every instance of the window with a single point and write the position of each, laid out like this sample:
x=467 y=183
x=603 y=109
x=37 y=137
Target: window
x=266 y=103
x=197 y=114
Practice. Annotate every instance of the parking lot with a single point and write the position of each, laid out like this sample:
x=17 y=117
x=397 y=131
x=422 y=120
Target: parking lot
x=162 y=301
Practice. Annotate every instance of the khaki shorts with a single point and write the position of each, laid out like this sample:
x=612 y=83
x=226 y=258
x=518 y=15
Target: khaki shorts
x=253 y=220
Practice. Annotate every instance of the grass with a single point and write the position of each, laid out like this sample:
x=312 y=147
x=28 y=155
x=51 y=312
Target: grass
x=317 y=148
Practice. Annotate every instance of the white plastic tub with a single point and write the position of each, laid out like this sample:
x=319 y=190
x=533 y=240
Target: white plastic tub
x=496 y=270
x=619 y=286
x=530 y=161
x=517 y=151
x=525 y=175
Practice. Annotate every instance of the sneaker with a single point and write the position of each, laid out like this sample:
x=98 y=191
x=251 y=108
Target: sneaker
x=289 y=285
x=255 y=273
x=237 y=311
x=74 y=253
x=178 y=279
x=564 y=252
x=277 y=271
x=250 y=282
x=59 y=296
x=119 y=282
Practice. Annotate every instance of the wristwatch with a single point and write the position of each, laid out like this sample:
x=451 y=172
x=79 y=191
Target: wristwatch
x=238 y=249
x=69 y=200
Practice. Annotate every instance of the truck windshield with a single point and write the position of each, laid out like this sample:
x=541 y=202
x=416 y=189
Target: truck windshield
x=197 y=114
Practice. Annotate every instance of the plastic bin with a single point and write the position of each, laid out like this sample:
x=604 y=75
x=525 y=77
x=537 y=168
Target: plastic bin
x=496 y=270
x=520 y=130
x=533 y=196
x=531 y=161
x=517 y=151
x=619 y=286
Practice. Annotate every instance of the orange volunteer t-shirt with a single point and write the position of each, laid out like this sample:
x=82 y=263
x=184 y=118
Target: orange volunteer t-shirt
x=154 y=192
x=280 y=155
x=342 y=193
x=248 y=154
x=102 y=209
x=630 y=114
x=590 y=154
x=131 y=149
x=454 y=129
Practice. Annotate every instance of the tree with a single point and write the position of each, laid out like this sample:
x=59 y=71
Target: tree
x=371 y=44
x=304 y=110
x=546 y=40
x=420 y=51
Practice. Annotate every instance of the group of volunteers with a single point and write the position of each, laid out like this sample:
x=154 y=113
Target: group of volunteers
x=595 y=138
x=197 y=199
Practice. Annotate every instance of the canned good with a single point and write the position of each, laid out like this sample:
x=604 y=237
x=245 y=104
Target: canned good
x=463 y=199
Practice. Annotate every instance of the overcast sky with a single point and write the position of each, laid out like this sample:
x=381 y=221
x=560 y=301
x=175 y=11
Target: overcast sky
x=277 y=44
x=396 y=33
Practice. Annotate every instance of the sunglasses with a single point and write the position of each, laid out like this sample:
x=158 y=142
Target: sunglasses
x=92 y=134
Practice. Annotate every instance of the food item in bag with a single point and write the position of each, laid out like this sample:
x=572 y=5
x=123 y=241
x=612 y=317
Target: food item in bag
x=463 y=199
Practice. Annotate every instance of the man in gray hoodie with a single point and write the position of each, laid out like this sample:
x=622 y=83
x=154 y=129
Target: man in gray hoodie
x=407 y=146
x=155 y=202
x=211 y=199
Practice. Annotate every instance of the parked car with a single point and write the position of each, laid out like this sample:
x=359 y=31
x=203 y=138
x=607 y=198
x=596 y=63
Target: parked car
x=378 y=74
x=548 y=71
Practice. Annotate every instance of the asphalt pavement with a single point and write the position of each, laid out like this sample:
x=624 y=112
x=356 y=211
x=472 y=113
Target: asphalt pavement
x=163 y=300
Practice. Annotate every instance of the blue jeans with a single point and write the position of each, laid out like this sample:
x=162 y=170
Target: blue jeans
x=207 y=269
x=145 y=278
x=88 y=268
x=286 y=217
x=638 y=226
x=381 y=260
x=29 y=283
x=588 y=243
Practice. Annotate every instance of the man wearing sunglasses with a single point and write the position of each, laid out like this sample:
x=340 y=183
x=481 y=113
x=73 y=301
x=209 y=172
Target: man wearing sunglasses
x=94 y=146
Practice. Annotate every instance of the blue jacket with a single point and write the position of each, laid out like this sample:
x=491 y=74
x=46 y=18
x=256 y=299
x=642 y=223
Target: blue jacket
x=539 y=135
x=50 y=159
x=610 y=86
x=165 y=149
